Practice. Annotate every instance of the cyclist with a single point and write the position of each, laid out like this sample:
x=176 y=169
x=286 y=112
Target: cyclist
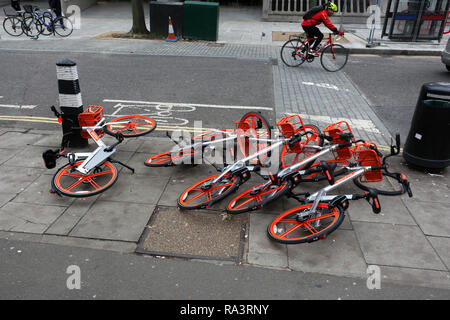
x=310 y=26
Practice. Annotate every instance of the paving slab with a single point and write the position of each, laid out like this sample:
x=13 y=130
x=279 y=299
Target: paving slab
x=442 y=247
x=338 y=254
x=30 y=218
x=69 y=219
x=18 y=140
x=5 y=197
x=393 y=211
x=121 y=221
x=261 y=250
x=6 y=154
x=29 y=157
x=134 y=188
x=433 y=218
x=38 y=192
x=15 y=180
x=397 y=246
x=416 y=277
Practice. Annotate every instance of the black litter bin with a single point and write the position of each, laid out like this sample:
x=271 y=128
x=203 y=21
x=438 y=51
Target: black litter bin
x=428 y=142
x=160 y=12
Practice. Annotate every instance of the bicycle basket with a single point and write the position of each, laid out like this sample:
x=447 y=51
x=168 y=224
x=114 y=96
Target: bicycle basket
x=247 y=125
x=365 y=154
x=292 y=125
x=9 y=12
x=28 y=8
x=89 y=118
x=336 y=132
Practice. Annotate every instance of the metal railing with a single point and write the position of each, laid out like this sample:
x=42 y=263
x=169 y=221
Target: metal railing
x=300 y=7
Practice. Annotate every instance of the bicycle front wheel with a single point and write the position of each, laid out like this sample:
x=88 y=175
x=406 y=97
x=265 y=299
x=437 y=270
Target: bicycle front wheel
x=334 y=57
x=13 y=26
x=257 y=197
x=131 y=126
x=254 y=131
x=204 y=194
x=291 y=53
x=32 y=27
x=63 y=26
x=69 y=182
x=289 y=229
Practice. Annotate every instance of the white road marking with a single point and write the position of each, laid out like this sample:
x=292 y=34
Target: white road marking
x=324 y=85
x=17 y=106
x=189 y=105
x=366 y=125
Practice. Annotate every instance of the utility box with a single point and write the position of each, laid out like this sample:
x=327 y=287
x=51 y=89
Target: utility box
x=159 y=18
x=201 y=20
x=428 y=144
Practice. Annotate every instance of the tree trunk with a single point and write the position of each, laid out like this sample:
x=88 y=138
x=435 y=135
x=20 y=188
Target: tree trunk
x=139 y=28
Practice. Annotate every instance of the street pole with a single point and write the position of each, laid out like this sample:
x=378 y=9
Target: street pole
x=342 y=15
x=370 y=42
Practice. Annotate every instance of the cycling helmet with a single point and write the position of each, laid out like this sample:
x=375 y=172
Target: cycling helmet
x=332 y=7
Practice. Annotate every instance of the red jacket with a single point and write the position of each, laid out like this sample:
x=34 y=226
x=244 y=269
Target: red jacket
x=318 y=18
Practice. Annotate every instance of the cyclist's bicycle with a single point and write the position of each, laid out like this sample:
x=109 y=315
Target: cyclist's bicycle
x=320 y=214
x=333 y=57
x=91 y=173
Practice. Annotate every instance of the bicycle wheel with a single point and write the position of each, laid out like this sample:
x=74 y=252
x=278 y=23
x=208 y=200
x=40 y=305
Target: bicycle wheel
x=287 y=228
x=13 y=26
x=63 y=26
x=301 y=150
x=168 y=159
x=31 y=27
x=131 y=126
x=257 y=197
x=47 y=26
x=203 y=194
x=253 y=126
x=334 y=58
x=69 y=182
x=291 y=53
x=395 y=176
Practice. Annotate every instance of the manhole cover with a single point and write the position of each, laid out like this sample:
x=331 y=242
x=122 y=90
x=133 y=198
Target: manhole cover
x=200 y=234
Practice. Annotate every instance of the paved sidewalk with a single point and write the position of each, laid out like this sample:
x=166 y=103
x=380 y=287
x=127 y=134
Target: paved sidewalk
x=409 y=240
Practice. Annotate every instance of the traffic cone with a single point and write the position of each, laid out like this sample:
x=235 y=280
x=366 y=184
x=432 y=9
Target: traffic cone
x=171 y=37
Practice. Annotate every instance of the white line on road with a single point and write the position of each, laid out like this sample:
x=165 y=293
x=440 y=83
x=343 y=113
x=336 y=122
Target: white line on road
x=191 y=105
x=17 y=106
x=366 y=125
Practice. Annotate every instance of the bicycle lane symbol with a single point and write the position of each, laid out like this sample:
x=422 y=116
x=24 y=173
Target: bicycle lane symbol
x=164 y=114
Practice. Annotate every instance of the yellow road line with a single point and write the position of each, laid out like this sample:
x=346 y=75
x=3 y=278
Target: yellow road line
x=158 y=128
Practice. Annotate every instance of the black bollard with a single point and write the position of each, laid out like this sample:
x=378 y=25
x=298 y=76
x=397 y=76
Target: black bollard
x=70 y=103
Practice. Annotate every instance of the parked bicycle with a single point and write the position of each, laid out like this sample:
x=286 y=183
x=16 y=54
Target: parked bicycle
x=333 y=57
x=13 y=22
x=90 y=173
x=320 y=214
x=206 y=192
x=39 y=22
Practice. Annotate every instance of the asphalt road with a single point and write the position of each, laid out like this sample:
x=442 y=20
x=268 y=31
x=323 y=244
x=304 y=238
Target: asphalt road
x=392 y=84
x=136 y=84
x=27 y=274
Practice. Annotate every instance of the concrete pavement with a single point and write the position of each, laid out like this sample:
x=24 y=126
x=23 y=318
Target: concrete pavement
x=409 y=240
